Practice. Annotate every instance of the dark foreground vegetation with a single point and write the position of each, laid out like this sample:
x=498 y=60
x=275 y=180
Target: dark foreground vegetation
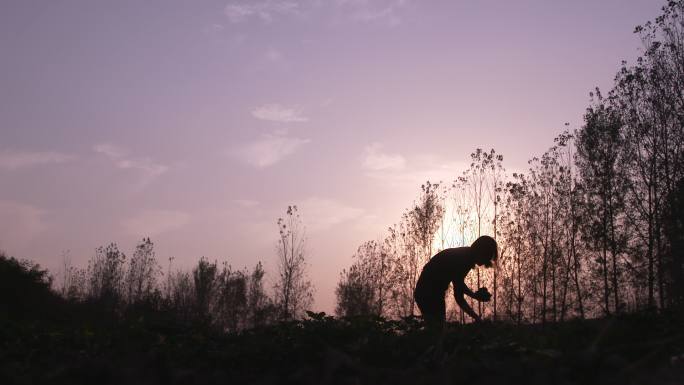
x=47 y=339
x=639 y=349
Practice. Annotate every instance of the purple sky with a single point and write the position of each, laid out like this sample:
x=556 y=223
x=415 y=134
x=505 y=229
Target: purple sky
x=197 y=122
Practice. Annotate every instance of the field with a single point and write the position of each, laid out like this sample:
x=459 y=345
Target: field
x=639 y=349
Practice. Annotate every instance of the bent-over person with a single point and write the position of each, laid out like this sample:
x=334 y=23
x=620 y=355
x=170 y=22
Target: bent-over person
x=452 y=266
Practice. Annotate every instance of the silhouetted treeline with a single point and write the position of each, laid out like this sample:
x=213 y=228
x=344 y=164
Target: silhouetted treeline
x=209 y=295
x=594 y=227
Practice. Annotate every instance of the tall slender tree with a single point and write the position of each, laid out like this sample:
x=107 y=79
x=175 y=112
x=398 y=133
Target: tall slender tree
x=598 y=147
x=293 y=291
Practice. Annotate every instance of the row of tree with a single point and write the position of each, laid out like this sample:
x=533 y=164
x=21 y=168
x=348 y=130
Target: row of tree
x=594 y=227
x=211 y=294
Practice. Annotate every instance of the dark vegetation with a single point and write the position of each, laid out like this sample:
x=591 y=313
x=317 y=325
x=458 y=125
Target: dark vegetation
x=589 y=286
x=80 y=343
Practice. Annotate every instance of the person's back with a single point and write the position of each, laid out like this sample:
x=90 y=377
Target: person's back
x=446 y=266
x=452 y=265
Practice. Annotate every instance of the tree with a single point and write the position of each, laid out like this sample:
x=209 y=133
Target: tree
x=513 y=232
x=571 y=217
x=598 y=148
x=354 y=292
x=674 y=230
x=231 y=299
x=495 y=187
x=106 y=274
x=181 y=296
x=365 y=288
x=464 y=223
x=476 y=182
x=650 y=100
x=423 y=221
x=259 y=305
x=404 y=262
x=293 y=292
x=73 y=285
x=24 y=289
x=205 y=284
x=143 y=269
x=425 y=216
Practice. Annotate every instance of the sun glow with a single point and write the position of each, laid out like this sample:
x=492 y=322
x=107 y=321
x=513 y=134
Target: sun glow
x=459 y=225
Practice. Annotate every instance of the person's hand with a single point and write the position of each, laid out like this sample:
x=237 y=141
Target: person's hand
x=483 y=294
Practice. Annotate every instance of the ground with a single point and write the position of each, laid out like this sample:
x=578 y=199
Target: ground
x=638 y=349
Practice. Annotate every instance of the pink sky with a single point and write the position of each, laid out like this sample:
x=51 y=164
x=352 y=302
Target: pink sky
x=197 y=122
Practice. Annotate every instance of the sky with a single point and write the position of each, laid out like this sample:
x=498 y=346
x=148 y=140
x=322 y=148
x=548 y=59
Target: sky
x=197 y=123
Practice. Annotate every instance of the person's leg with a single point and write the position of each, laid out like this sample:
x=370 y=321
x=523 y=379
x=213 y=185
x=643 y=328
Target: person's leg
x=432 y=308
x=441 y=310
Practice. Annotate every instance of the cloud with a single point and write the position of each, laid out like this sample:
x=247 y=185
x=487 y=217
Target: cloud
x=269 y=150
x=376 y=160
x=385 y=12
x=248 y=203
x=326 y=102
x=321 y=214
x=121 y=159
x=273 y=55
x=264 y=11
x=154 y=222
x=13 y=159
x=213 y=29
x=385 y=15
x=109 y=150
x=422 y=168
x=278 y=113
x=370 y=223
x=20 y=223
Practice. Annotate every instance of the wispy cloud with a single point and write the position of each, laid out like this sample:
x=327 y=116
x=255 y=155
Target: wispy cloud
x=375 y=159
x=14 y=159
x=213 y=29
x=264 y=11
x=278 y=113
x=389 y=15
x=269 y=150
x=109 y=150
x=387 y=12
x=122 y=160
x=273 y=55
x=321 y=213
x=155 y=222
x=420 y=169
x=383 y=12
x=248 y=203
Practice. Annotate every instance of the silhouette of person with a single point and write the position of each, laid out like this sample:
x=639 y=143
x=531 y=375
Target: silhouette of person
x=452 y=265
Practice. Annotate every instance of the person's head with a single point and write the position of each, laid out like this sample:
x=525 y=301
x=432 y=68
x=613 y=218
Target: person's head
x=485 y=250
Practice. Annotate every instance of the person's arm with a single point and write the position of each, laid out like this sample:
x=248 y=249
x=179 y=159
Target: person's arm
x=460 y=289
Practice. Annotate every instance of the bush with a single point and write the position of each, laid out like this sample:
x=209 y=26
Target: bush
x=24 y=289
